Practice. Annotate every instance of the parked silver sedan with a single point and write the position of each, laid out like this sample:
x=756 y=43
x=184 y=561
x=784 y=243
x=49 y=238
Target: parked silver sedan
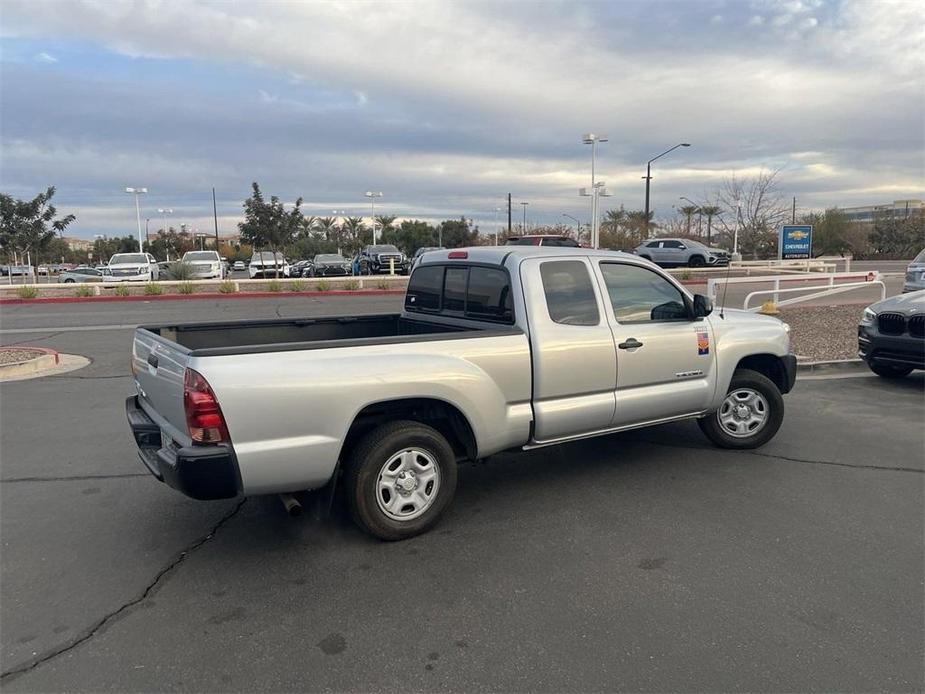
x=81 y=274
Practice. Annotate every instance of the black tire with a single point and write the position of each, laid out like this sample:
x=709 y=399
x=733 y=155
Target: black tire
x=761 y=384
x=696 y=261
x=887 y=371
x=69 y=281
x=365 y=462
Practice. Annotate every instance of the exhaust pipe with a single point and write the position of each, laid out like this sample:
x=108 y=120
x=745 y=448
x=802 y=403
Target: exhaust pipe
x=291 y=504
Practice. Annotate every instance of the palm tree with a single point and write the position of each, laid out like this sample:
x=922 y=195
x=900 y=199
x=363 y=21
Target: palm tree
x=687 y=211
x=710 y=211
x=354 y=227
x=309 y=224
x=327 y=226
x=385 y=222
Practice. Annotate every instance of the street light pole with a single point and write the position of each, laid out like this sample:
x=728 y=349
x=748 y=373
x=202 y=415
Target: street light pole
x=497 y=224
x=648 y=177
x=699 y=217
x=525 y=217
x=136 y=192
x=372 y=203
x=593 y=140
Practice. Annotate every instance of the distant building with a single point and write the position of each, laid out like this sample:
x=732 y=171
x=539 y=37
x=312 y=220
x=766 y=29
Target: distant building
x=76 y=244
x=898 y=209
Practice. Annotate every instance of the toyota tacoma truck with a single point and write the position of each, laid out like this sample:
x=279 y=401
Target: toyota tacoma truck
x=496 y=348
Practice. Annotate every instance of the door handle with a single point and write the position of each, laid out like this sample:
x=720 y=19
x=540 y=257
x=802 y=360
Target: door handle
x=152 y=360
x=631 y=343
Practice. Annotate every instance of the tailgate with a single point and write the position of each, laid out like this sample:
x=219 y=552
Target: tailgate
x=159 y=366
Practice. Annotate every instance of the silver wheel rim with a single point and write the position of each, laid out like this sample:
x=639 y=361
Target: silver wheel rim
x=743 y=413
x=408 y=484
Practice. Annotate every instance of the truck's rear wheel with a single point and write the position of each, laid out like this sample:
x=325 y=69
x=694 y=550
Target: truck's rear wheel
x=400 y=478
x=750 y=415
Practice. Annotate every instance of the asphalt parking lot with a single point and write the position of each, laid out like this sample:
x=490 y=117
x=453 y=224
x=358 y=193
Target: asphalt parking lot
x=647 y=561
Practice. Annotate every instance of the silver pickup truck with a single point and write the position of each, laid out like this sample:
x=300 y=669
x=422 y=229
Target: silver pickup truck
x=496 y=349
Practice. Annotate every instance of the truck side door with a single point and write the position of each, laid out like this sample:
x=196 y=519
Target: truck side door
x=574 y=359
x=665 y=358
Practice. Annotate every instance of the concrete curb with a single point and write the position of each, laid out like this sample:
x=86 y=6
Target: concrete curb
x=48 y=360
x=200 y=297
x=834 y=366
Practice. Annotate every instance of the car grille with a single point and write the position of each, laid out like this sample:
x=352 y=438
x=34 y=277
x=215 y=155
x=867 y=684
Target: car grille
x=125 y=273
x=891 y=323
x=917 y=326
x=384 y=259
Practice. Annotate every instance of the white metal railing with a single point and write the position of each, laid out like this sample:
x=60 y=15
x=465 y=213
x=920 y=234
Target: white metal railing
x=834 y=284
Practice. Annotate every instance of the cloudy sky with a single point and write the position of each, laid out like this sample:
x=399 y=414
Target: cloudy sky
x=448 y=106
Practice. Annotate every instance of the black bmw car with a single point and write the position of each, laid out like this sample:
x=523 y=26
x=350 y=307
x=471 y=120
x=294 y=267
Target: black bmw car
x=891 y=335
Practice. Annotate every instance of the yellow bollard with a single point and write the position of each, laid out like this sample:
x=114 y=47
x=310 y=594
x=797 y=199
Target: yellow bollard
x=769 y=308
x=391 y=266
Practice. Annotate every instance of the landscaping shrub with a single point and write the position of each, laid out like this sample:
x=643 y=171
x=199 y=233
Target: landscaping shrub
x=351 y=285
x=186 y=288
x=180 y=272
x=322 y=286
x=275 y=286
x=83 y=291
x=122 y=290
x=685 y=274
x=27 y=292
x=152 y=289
x=297 y=286
x=227 y=287
x=382 y=284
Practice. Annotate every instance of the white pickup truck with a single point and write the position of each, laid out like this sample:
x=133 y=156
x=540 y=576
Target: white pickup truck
x=496 y=349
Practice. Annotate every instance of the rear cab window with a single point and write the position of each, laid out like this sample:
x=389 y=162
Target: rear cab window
x=464 y=291
x=570 y=298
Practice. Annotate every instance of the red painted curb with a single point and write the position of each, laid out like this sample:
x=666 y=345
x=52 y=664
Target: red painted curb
x=200 y=297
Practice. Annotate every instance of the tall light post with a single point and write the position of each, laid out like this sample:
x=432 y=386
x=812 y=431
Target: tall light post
x=136 y=192
x=648 y=177
x=593 y=140
x=372 y=202
x=598 y=191
x=524 y=227
x=577 y=223
x=497 y=224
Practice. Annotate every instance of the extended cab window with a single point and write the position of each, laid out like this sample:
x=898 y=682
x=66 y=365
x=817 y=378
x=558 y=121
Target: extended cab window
x=569 y=294
x=480 y=293
x=425 y=288
x=640 y=295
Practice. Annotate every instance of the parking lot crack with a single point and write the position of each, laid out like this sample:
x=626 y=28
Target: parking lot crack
x=791 y=459
x=73 y=478
x=120 y=611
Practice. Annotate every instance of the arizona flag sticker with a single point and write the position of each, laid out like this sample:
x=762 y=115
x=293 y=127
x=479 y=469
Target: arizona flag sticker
x=703 y=341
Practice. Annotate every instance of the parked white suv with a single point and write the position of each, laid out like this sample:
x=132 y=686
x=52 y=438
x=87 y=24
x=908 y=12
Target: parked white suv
x=207 y=265
x=131 y=267
x=265 y=265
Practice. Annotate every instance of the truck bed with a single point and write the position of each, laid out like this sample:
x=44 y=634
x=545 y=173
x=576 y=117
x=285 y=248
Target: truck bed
x=241 y=337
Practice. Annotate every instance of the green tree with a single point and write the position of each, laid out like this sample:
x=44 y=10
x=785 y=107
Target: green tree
x=267 y=225
x=385 y=222
x=327 y=226
x=897 y=236
x=830 y=232
x=28 y=226
x=352 y=234
x=410 y=235
x=623 y=230
x=457 y=233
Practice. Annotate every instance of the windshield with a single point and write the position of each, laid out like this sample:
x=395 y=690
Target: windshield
x=128 y=258
x=920 y=258
x=329 y=258
x=383 y=249
x=201 y=255
x=267 y=255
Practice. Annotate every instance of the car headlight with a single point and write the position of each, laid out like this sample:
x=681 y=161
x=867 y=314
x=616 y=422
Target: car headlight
x=868 y=317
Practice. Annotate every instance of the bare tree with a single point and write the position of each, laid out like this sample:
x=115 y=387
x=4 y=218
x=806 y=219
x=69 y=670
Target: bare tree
x=758 y=206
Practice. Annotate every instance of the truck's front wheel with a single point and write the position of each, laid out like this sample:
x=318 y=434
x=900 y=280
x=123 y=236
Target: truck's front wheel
x=400 y=478
x=750 y=415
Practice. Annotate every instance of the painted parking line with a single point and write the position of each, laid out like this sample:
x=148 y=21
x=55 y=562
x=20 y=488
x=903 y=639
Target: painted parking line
x=72 y=329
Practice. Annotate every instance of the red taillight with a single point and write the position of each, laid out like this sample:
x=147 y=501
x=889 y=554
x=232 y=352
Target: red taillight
x=203 y=415
x=457 y=255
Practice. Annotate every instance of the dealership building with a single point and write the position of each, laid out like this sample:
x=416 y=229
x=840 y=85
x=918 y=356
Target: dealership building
x=898 y=209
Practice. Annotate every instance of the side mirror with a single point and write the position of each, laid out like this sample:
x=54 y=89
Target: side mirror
x=703 y=306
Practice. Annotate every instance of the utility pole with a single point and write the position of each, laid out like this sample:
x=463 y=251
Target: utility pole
x=215 y=217
x=509 y=214
x=793 y=214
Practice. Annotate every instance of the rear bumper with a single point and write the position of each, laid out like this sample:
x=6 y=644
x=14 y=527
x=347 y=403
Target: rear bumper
x=200 y=472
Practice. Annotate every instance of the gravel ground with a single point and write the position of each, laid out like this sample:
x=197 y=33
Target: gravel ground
x=821 y=333
x=11 y=355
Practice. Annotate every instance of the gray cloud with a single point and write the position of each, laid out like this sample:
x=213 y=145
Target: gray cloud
x=448 y=106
